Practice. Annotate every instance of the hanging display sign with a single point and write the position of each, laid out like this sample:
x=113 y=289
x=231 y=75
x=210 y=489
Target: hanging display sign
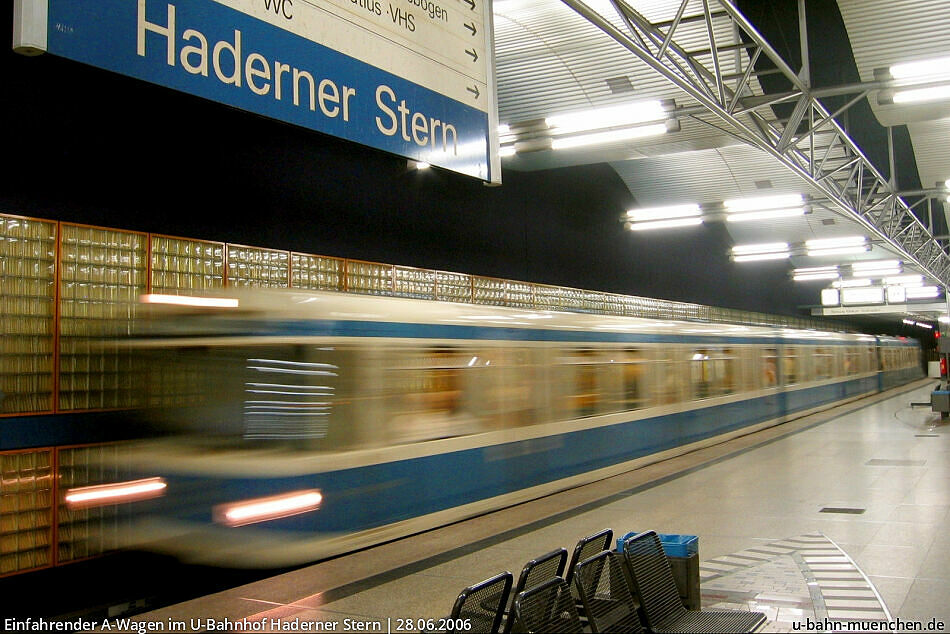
x=411 y=77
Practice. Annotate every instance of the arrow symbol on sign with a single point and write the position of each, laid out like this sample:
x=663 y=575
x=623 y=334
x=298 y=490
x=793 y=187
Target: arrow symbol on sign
x=471 y=4
x=473 y=90
x=473 y=54
x=471 y=27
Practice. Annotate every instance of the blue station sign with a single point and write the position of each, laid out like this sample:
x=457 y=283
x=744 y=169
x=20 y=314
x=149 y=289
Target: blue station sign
x=214 y=50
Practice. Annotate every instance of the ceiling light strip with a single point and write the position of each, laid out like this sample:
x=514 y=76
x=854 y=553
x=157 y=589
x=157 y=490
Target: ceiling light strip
x=664 y=224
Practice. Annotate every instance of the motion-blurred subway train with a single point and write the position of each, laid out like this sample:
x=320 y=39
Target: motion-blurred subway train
x=299 y=425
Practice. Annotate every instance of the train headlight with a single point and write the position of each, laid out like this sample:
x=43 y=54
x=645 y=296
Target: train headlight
x=114 y=493
x=269 y=508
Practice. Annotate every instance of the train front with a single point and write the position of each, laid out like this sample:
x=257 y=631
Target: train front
x=239 y=406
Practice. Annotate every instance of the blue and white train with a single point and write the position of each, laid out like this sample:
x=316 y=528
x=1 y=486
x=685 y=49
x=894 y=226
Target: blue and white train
x=299 y=425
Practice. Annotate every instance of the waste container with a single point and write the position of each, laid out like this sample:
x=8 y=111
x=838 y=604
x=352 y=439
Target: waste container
x=682 y=551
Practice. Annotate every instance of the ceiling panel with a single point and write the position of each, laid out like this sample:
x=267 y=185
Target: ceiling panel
x=886 y=32
x=549 y=60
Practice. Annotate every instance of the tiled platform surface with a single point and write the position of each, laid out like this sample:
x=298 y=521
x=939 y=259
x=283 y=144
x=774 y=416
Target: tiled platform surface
x=800 y=579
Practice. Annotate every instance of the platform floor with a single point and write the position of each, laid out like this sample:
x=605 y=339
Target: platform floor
x=841 y=515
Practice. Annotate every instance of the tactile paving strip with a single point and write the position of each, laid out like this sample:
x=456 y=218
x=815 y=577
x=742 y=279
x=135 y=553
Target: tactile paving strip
x=794 y=580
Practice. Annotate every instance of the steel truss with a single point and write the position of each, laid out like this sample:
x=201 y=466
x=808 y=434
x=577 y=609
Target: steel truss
x=810 y=142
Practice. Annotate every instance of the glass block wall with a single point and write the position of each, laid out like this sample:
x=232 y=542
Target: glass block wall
x=179 y=265
x=414 y=283
x=261 y=268
x=27 y=298
x=369 y=278
x=26 y=510
x=316 y=272
x=102 y=274
x=84 y=533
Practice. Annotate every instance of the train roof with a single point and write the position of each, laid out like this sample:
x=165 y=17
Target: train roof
x=294 y=306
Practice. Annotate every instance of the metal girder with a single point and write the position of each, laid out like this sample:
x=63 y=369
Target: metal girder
x=811 y=142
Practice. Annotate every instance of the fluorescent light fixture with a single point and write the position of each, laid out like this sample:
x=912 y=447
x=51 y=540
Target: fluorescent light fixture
x=923 y=68
x=923 y=325
x=664 y=224
x=841 y=251
x=837 y=251
x=905 y=280
x=909 y=322
x=188 y=300
x=759 y=252
x=867 y=295
x=663 y=213
x=830 y=297
x=829 y=243
x=101 y=494
x=852 y=283
x=808 y=270
x=607 y=117
x=896 y=294
x=609 y=136
x=875 y=265
x=923 y=292
x=270 y=508
x=768 y=214
x=761 y=203
x=810 y=273
x=878 y=273
x=767 y=247
x=764 y=207
x=756 y=257
x=503 y=129
x=914 y=95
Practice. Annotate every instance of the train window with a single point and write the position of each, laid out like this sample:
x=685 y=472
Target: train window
x=581 y=380
x=769 y=360
x=670 y=374
x=823 y=358
x=748 y=369
x=290 y=392
x=699 y=374
x=726 y=369
x=712 y=372
x=790 y=365
x=426 y=389
x=853 y=361
x=253 y=393
x=514 y=380
x=887 y=360
x=634 y=370
x=624 y=381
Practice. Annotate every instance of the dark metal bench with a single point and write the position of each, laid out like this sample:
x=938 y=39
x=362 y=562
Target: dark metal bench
x=546 y=608
x=481 y=606
x=659 y=599
x=607 y=599
x=536 y=572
